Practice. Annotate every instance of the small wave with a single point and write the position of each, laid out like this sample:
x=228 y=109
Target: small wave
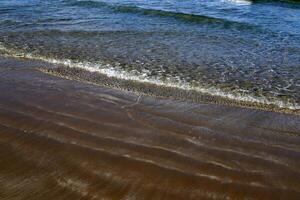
x=186 y=17
x=120 y=74
x=88 y=3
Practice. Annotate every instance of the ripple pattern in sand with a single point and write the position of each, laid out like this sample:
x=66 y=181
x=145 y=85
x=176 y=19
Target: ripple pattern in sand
x=66 y=140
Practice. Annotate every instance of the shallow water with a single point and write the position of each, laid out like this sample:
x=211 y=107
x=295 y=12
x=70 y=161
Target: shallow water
x=62 y=139
x=241 y=50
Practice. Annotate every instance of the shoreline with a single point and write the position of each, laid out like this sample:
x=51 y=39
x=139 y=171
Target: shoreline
x=67 y=139
x=79 y=73
x=159 y=91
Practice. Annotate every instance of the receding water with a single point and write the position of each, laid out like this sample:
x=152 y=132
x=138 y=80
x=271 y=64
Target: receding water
x=243 y=50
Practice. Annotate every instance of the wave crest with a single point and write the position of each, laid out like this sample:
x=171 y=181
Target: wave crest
x=186 y=17
x=136 y=79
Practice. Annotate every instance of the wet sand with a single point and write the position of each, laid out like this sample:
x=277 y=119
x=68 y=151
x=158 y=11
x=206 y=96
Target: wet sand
x=63 y=139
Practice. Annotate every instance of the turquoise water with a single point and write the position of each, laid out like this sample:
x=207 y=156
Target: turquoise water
x=242 y=50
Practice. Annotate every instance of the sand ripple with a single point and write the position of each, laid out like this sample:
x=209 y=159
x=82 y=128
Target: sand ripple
x=66 y=140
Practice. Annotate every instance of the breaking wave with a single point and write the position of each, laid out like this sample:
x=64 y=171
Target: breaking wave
x=114 y=71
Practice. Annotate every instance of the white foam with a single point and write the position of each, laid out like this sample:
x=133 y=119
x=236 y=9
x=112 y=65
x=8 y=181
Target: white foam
x=116 y=72
x=239 y=2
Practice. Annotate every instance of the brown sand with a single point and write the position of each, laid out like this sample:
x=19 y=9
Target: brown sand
x=63 y=139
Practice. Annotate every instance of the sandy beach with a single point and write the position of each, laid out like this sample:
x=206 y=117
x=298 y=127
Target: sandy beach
x=64 y=139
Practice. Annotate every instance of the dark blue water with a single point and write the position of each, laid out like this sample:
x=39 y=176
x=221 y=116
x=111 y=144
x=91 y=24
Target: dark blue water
x=243 y=50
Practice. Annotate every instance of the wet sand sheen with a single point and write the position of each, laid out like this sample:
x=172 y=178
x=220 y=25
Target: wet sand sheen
x=63 y=139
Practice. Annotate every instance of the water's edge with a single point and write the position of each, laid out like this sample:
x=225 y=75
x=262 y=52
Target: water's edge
x=106 y=75
x=157 y=90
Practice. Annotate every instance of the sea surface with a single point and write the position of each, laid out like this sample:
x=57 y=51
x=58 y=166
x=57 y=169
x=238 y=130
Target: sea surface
x=240 y=50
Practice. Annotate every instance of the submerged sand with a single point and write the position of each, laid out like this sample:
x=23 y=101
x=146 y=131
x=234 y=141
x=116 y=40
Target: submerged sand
x=63 y=139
